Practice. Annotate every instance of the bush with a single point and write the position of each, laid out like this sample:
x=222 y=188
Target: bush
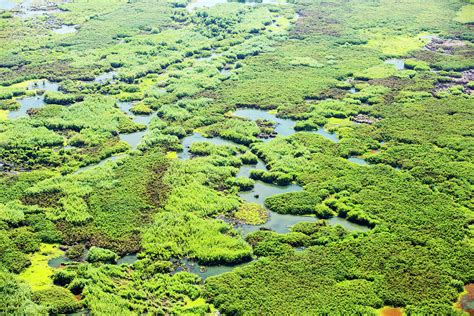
x=243 y=183
x=63 y=277
x=75 y=252
x=251 y=213
x=296 y=203
x=57 y=300
x=97 y=254
x=60 y=98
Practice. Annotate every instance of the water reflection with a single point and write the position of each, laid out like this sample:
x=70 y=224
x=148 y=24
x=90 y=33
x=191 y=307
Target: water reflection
x=205 y=271
x=196 y=137
x=105 y=77
x=358 y=161
x=7 y=4
x=128 y=259
x=65 y=29
x=331 y=136
x=26 y=104
x=263 y=190
x=245 y=170
x=45 y=85
x=196 y=4
x=284 y=127
x=58 y=261
x=398 y=63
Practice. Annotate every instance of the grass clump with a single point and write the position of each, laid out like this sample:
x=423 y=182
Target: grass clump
x=186 y=235
x=251 y=213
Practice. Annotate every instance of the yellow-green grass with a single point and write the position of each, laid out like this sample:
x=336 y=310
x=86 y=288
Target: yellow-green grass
x=38 y=275
x=251 y=213
x=171 y=155
x=396 y=45
x=466 y=14
x=334 y=122
x=3 y=115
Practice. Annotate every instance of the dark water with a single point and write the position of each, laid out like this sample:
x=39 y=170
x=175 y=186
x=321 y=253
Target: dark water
x=205 y=271
x=59 y=261
x=26 y=104
x=128 y=259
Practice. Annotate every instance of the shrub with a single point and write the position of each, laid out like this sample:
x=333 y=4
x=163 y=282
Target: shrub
x=57 y=300
x=60 y=98
x=251 y=213
x=97 y=254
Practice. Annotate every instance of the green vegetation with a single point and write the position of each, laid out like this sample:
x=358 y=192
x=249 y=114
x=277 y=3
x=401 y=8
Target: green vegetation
x=97 y=254
x=251 y=213
x=122 y=160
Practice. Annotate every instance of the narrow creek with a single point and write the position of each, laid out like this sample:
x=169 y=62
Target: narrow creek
x=133 y=139
x=279 y=223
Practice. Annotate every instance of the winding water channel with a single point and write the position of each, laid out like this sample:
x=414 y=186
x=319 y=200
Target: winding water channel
x=280 y=223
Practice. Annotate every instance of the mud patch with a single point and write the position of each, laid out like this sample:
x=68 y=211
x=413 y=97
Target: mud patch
x=466 y=300
x=445 y=46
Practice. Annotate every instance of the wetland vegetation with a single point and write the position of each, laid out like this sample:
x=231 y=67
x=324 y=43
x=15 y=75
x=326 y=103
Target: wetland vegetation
x=214 y=157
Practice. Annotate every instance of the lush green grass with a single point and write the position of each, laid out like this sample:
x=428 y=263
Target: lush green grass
x=189 y=71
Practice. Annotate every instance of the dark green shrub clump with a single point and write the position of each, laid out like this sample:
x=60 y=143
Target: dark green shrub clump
x=75 y=252
x=97 y=254
x=60 y=98
x=57 y=300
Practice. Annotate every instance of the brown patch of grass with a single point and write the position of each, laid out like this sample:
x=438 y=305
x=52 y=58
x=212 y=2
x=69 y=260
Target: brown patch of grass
x=391 y=311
